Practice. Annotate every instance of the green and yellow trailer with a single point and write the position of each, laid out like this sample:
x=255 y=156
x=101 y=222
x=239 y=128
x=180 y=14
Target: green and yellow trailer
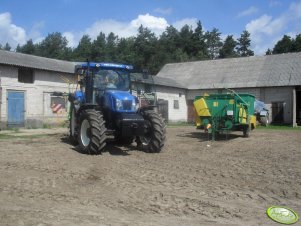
x=225 y=112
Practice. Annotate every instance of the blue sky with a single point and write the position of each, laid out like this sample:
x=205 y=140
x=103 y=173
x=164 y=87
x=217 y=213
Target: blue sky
x=266 y=20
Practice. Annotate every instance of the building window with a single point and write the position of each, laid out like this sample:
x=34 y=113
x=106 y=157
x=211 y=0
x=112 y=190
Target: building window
x=176 y=104
x=25 y=75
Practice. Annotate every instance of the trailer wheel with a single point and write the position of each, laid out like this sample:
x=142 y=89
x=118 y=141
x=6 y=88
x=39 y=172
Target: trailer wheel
x=246 y=130
x=92 y=132
x=155 y=130
x=72 y=127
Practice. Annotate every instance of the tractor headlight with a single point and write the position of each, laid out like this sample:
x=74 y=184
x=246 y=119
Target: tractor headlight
x=135 y=105
x=118 y=104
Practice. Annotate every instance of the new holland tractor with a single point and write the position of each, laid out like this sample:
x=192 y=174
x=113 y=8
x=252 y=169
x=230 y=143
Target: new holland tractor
x=105 y=104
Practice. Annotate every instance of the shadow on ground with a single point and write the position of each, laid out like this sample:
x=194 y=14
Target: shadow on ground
x=204 y=137
x=112 y=147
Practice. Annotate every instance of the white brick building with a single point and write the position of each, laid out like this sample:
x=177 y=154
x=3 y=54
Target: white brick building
x=28 y=83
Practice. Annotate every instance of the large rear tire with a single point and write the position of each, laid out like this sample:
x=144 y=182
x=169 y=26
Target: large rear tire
x=155 y=131
x=92 y=132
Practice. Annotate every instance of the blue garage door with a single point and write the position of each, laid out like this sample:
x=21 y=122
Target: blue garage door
x=15 y=105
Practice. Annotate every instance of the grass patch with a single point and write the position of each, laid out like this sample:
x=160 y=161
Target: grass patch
x=276 y=127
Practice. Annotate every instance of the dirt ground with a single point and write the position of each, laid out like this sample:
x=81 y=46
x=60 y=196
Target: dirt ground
x=45 y=181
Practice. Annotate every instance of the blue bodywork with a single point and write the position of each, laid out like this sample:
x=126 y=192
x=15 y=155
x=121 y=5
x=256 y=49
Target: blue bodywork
x=120 y=101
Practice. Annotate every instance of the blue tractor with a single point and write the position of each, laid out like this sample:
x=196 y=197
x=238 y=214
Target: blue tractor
x=105 y=105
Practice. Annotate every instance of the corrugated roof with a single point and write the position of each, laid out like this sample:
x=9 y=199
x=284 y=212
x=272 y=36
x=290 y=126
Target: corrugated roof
x=31 y=61
x=255 y=71
x=167 y=82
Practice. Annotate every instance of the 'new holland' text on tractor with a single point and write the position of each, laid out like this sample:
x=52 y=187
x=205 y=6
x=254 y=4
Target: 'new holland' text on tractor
x=106 y=105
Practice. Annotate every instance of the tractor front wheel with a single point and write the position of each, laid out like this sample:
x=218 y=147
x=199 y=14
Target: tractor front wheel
x=154 y=136
x=92 y=132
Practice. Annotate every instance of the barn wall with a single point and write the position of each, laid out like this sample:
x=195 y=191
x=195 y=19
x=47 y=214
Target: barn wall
x=279 y=94
x=174 y=94
x=37 y=95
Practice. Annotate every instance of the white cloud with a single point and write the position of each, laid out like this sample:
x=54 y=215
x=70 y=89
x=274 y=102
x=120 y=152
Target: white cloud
x=122 y=29
x=10 y=32
x=35 y=33
x=166 y=11
x=189 y=21
x=248 y=12
x=266 y=30
x=156 y=24
x=70 y=38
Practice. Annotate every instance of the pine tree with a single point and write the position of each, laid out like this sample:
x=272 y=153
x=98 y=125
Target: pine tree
x=213 y=43
x=244 y=43
x=228 y=48
x=285 y=45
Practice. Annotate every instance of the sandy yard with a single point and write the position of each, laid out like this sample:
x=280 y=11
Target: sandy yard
x=44 y=180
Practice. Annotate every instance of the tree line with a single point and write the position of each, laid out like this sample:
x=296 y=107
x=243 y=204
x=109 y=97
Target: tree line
x=147 y=51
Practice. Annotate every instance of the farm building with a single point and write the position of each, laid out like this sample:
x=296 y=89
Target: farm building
x=274 y=79
x=29 y=87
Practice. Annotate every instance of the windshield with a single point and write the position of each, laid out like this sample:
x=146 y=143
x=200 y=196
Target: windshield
x=111 y=79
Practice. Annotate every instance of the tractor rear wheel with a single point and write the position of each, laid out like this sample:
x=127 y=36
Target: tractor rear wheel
x=155 y=131
x=92 y=132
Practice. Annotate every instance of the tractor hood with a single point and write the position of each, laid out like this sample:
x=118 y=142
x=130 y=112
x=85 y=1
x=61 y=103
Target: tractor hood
x=120 y=101
x=121 y=95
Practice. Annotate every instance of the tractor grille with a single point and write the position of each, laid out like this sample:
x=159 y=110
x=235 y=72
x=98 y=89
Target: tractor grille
x=127 y=104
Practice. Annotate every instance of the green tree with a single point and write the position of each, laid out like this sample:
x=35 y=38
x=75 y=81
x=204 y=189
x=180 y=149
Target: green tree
x=213 y=43
x=296 y=47
x=168 y=44
x=186 y=40
x=28 y=48
x=244 y=43
x=53 y=46
x=269 y=52
x=84 y=49
x=7 y=47
x=199 y=46
x=145 y=48
x=98 y=48
x=111 y=47
x=285 y=45
x=125 y=50
x=228 y=48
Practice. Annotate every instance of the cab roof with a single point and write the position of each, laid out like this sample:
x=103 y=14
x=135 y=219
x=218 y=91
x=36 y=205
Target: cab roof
x=104 y=65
